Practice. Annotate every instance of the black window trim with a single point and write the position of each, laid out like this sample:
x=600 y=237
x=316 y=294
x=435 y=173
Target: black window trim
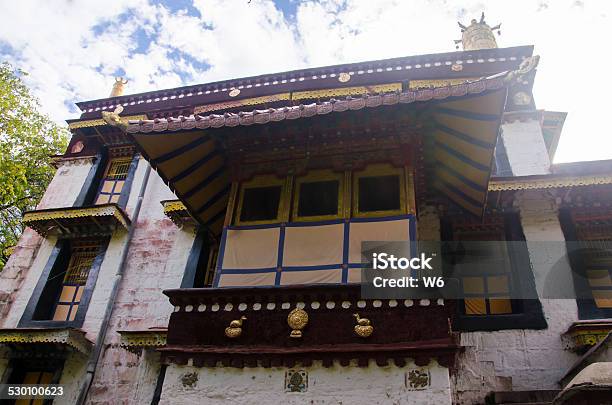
x=530 y=315
x=20 y=360
x=195 y=269
x=587 y=309
x=93 y=182
x=27 y=320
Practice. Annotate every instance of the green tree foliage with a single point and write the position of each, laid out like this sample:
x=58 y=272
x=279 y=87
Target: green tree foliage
x=28 y=139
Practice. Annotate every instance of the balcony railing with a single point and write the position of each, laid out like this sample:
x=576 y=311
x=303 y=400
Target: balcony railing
x=198 y=328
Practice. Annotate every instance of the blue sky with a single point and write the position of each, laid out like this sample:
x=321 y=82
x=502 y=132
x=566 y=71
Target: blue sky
x=72 y=49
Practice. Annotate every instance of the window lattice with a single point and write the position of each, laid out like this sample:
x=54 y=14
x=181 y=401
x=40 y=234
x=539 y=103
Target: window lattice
x=118 y=169
x=113 y=181
x=487 y=286
x=80 y=263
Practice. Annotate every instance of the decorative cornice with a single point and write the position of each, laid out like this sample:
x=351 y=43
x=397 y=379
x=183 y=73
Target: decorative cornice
x=548 y=182
x=177 y=212
x=173 y=206
x=241 y=103
x=63 y=220
x=100 y=122
x=70 y=337
x=583 y=335
x=309 y=110
x=58 y=162
x=433 y=83
x=98 y=211
x=135 y=340
x=346 y=91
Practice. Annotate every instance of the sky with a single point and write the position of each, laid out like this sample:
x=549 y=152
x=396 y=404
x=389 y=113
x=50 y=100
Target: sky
x=73 y=49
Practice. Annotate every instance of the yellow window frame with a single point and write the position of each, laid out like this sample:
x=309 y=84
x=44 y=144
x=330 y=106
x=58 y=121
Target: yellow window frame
x=378 y=170
x=82 y=257
x=282 y=215
x=315 y=176
x=111 y=185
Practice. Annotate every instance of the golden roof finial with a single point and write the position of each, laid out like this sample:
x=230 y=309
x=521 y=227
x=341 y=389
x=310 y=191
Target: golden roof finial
x=117 y=90
x=478 y=35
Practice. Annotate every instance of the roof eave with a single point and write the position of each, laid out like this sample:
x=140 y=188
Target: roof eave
x=526 y=50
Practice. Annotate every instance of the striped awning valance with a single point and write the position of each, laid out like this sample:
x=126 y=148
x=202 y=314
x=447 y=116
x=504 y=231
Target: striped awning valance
x=193 y=165
x=467 y=118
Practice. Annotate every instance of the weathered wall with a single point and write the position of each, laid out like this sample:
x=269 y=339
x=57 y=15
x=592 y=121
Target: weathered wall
x=25 y=265
x=104 y=284
x=156 y=261
x=525 y=147
x=9 y=277
x=548 y=360
x=66 y=184
x=72 y=374
x=334 y=385
x=148 y=371
x=523 y=359
x=21 y=272
x=18 y=267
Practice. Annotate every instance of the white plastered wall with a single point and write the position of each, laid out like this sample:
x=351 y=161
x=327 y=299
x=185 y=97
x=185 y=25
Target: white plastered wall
x=22 y=295
x=335 y=385
x=25 y=266
x=525 y=147
x=72 y=374
x=156 y=261
x=66 y=184
x=524 y=359
x=23 y=269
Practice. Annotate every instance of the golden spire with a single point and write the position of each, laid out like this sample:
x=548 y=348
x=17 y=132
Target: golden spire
x=478 y=35
x=117 y=90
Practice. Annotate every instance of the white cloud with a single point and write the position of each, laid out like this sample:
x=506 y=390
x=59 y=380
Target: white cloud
x=72 y=48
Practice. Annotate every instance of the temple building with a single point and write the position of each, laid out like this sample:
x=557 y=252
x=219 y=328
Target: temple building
x=203 y=244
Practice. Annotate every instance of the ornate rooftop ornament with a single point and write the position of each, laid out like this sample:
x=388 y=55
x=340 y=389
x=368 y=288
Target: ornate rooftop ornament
x=117 y=90
x=478 y=35
x=527 y=65
x=113 y=119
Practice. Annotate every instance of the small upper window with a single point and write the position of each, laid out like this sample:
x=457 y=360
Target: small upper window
x=380 y=193
x=485 y=272
x=260 y=203
x=318 y=196
x=260 y=200
x=114 y=180
x=598 y=267
x=379 y=190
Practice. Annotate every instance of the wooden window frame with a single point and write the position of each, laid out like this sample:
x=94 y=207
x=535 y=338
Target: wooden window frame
x=587 y=307
x=485 y=294
x=379 y=170
x=201 y=264
x=528 y=312
x=267 y=180
x=54 y=266
x=316 y=176
x=87 y=251
x=23 y=362
x=123 y=161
